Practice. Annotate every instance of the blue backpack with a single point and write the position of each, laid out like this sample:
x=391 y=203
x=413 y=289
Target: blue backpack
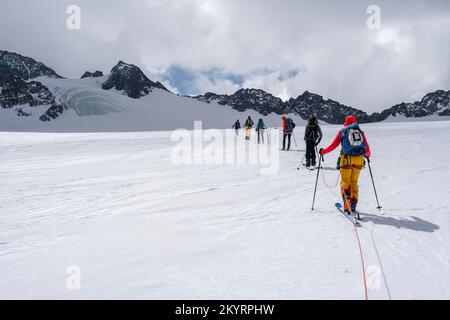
x=290 y=125
x=352 y=141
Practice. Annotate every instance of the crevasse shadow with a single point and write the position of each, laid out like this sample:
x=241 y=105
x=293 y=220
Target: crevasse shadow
x=412 y=223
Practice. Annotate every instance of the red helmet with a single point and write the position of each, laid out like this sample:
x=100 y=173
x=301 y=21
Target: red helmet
x=350 y=120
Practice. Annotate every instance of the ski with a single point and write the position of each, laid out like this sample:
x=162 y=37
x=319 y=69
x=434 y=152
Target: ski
x=348 y=216
x=311 y=168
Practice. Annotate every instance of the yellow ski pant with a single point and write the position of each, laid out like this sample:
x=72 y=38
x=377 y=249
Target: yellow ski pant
x=350 y=169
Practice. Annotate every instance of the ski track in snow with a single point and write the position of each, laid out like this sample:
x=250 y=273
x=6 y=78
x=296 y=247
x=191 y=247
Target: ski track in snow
x=140 y=227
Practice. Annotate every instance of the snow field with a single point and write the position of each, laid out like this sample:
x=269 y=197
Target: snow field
x=139 y=226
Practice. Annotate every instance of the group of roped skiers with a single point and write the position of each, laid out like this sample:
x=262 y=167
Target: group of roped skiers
x=248 y=126
x=354 y=147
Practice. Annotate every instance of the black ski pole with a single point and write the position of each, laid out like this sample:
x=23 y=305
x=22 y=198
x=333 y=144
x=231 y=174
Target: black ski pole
x=373 y=183
x=295 y=141
x=301 y=163
x=317 y=180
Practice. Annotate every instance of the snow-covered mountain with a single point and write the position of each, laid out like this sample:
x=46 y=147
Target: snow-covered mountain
x=33 y=96
x=21 y=96
x=89 y=108
x=130 y=80
x=434 y=104
x=124 y=100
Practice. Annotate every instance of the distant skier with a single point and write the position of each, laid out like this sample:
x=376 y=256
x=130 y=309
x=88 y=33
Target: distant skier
x=260 y=128
x=248 y=127
x=354 y=148
x=288 y=130
x=313 y=136
x=236 y=126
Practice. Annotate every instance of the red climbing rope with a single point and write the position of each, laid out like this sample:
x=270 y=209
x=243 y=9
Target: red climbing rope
x=366 y=291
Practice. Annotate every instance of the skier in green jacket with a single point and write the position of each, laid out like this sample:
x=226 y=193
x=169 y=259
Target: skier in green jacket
x=260 y=128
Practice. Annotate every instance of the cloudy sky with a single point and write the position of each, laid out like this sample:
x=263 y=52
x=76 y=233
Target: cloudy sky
x=282 y=46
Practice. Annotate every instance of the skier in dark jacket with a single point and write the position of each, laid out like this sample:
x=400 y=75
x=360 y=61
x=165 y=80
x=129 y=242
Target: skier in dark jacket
x=313 y=136
x=236 y=126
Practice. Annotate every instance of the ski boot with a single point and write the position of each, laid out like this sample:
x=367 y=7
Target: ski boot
x=347 y=202
x=353 y=206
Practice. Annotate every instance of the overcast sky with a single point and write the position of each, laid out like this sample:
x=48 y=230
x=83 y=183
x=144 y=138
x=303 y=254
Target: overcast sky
x=282 y=46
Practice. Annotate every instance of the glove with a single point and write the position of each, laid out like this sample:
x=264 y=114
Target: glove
x=321 y=151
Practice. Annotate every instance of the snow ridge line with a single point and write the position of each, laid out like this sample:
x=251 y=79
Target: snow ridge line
x=366 y=291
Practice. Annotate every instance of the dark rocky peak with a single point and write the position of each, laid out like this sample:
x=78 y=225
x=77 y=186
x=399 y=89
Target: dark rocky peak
x=435 y=103
x=436 y=100
x=24 y=68
x=244 y=99
x=308 y=96
x=131 y=81
x=311 y=104
x=96 y=74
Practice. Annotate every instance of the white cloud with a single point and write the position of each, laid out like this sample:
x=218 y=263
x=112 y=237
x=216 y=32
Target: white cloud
x=327 y=41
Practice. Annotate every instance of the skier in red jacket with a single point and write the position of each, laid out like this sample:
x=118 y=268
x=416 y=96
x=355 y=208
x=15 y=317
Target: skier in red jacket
x=354 y=148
